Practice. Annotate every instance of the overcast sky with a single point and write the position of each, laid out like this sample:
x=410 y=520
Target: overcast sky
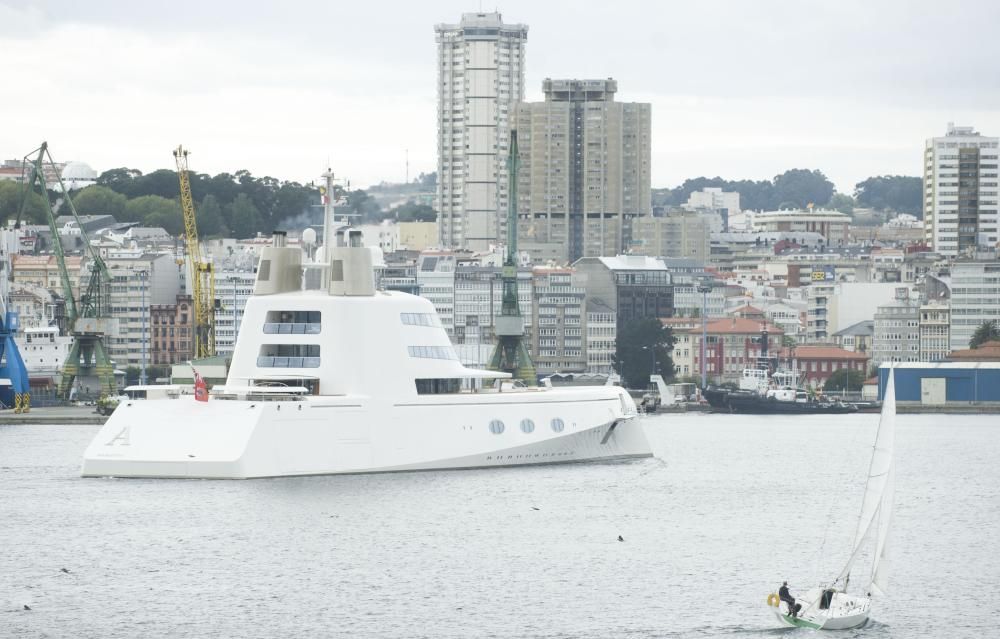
x=739 y=89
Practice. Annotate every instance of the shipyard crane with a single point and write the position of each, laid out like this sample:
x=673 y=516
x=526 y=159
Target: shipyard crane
x=511 y=352
x=202 y=273
x=89 y=319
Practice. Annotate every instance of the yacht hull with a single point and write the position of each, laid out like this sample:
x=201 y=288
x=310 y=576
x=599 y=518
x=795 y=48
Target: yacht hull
x=238 y=439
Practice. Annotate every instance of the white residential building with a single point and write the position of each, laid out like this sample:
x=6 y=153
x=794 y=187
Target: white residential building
x=934 y=331
x=714 y=199
x=602 y=327
x=477 y=298
x=835 y=306
x=232 y=290
x=559 y=304
x=136 y=284
x=897 y=330
x=436 y=282
x=975 y=299
x=480 y=81
x=960 y=191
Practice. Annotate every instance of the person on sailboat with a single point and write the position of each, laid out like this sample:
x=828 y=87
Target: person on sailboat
x=784 y=595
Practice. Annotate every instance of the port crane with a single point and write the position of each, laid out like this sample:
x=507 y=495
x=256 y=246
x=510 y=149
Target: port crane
x=202 y=271
x=89 y=320
x=511 y=352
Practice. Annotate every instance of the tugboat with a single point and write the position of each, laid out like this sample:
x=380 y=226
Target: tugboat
x=767 y=389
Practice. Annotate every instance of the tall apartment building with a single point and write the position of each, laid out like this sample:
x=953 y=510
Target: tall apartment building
x=559 y=311
x=975 y=299
x=480 y=81
x=585 y=170
x=137 y=283
x=960 y=191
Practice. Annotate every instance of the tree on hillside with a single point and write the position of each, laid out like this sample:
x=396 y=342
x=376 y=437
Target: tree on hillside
x=146 y=207
x=802 y=187
x=986 y=332
x=10 y=200
x=845 y=379
x=209 y=218
x=242 y=217
x=413 y=212
x=120 y=180
x=842 y=203
x=99 y=200
x=644 y=348
x=899 y=193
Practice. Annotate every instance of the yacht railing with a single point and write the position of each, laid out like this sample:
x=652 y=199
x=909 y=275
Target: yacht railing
x=291 y=328
x=275 y=361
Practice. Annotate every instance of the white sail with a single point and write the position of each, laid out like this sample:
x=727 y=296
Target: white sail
x=876 y=507
x=883 y=559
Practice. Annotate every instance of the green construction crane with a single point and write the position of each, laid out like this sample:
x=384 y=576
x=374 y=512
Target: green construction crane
x=511 y=353
x=88 y=320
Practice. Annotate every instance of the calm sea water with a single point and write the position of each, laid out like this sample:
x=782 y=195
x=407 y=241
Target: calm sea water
x=729 y=508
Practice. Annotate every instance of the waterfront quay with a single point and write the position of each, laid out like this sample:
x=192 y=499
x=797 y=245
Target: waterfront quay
x=53 y=415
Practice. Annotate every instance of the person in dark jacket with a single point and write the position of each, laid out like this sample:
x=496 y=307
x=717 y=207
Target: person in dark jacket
x=784 y=595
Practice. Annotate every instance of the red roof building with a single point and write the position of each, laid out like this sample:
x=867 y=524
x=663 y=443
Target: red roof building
x=985 y=352
x=732 y=344
x=815 y=364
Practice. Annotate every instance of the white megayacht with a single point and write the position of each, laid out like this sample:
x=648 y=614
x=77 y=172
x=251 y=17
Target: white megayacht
x=344 y=378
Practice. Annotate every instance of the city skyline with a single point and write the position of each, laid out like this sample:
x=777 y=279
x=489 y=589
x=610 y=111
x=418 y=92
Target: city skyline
x=736 y=91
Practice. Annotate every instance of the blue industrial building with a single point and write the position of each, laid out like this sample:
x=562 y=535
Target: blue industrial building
x=943 y=383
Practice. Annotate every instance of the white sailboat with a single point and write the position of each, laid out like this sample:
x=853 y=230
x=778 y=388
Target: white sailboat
x=832 y=607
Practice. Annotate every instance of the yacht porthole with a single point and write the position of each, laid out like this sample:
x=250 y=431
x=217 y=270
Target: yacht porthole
x=527 y=426
x=496 y=426
x=558 y=425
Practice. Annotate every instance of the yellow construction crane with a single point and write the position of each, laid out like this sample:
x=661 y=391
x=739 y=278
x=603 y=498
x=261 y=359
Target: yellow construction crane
x=202 y=273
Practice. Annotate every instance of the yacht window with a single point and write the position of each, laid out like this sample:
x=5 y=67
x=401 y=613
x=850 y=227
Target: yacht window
x=438 y=386
x=288 y=356
x=496 y=427
x=432 y=352
x=293 y=323
x=527 y=426
x=558 y=425
x=420 y=319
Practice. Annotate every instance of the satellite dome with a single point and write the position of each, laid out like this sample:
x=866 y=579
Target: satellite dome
x=309 y=236
x=78 y=171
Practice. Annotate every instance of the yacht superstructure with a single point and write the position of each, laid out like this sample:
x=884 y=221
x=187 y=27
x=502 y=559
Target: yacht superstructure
x=348 y=379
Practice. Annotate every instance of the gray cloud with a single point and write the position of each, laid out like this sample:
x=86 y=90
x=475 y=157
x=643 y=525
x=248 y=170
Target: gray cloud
x=740 y=89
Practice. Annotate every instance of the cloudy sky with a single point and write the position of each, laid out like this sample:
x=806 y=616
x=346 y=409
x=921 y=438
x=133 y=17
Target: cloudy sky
x=739 y=89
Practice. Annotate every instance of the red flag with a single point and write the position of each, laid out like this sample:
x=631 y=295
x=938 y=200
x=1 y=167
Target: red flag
x=200 y=389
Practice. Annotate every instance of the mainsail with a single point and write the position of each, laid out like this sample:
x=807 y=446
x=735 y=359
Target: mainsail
x=876 y=507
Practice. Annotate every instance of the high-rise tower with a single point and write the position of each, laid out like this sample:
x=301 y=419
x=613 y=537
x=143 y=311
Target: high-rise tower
x=480 y=81
x=586 y=170
x=960 y=191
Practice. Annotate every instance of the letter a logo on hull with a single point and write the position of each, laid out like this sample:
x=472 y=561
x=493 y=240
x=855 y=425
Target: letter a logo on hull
x=121 y=439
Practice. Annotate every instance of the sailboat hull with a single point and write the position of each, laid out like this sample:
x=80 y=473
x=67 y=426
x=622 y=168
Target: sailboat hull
x=844 y=611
